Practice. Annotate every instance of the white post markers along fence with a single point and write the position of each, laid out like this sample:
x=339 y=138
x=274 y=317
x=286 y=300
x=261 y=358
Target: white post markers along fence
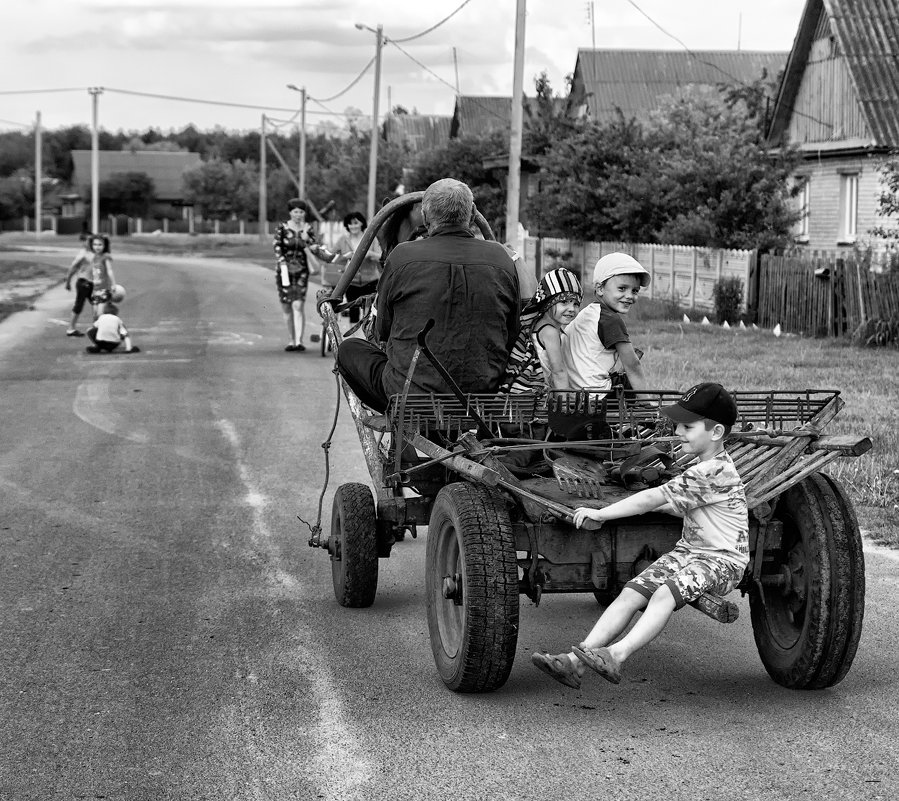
x=682 y=273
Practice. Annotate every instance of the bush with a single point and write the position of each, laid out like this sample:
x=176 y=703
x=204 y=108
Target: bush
x=877 y=333
x=728 y=294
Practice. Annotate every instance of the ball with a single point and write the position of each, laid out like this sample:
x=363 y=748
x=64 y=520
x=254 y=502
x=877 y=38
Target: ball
x=117 y=293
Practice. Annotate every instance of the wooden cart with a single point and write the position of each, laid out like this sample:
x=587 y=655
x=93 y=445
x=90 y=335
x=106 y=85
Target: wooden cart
x=496 y=533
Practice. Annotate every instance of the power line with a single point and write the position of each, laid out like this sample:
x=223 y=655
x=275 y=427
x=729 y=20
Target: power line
x=350 y=86
x=723 y=71
x=41 y=91
x=433 y=27
x=429 y=70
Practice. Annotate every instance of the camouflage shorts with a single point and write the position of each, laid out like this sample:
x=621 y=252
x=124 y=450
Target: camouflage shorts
x=688 y=575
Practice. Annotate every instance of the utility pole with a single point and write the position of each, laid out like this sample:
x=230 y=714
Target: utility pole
x=301 y=167
x=456 y=67
x=373 y=155
x=263 y=200
x=38 y=173
x=95 y=92
x=514 y=184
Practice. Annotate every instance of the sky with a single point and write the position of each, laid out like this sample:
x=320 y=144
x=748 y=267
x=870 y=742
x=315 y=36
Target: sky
x=230 y=61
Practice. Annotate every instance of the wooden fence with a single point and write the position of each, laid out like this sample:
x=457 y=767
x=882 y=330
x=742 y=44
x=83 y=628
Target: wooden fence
x=681 y=273
x=823 y=296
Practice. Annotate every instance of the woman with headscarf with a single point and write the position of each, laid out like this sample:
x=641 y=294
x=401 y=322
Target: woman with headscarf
x=535 y=363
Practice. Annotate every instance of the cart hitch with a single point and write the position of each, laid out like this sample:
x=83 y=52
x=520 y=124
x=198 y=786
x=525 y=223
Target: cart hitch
x=483 y=429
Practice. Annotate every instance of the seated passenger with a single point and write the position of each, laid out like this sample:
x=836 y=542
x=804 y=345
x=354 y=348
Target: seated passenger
x=536 y=363
x=468 y=286
x=597 y=348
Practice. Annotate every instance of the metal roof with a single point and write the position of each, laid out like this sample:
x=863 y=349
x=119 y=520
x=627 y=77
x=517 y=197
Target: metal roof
x=418 y=131
x=164 y=168
x=476 y=115
x=636 y=81
x=867 y=35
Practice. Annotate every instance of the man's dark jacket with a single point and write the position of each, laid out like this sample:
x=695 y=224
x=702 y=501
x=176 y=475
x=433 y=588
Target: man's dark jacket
x=470 y=288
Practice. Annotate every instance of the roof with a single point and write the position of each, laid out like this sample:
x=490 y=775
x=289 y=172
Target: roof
x=477 y=115
x=636 y=81
x=418 y=131
x=164 y=168
x=866 y=33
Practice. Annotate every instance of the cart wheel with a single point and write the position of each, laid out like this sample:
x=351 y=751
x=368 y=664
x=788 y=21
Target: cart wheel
x=353 y=546
x=471 y=586
x=807 y=618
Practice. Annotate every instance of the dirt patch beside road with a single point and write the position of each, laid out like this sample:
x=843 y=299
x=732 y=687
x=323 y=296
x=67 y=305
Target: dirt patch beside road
x=23 y=281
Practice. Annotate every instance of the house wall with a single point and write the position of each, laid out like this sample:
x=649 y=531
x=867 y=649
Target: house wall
x=826 y=106
x=824 y=209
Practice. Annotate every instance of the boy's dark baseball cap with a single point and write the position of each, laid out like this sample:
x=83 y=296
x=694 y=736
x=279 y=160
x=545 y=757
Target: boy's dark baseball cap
x=704 y=401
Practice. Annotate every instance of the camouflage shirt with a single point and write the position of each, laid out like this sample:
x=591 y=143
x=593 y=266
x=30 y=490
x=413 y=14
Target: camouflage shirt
x=711 y=498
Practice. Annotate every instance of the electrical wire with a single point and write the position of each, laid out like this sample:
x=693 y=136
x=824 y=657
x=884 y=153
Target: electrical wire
x=433 y=27
x=723 y=71
x=41 y=91
x=350 y=86
x=447 y=83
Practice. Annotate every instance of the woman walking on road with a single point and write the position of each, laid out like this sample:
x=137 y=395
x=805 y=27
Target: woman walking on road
x=365 y=282
x=292 y=238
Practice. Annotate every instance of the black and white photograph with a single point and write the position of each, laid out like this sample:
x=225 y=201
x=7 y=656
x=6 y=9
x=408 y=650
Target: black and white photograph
x=487 y=400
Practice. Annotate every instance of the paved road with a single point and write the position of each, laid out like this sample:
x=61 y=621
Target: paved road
x=167 y=633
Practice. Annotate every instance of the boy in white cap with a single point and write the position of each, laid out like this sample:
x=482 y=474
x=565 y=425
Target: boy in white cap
x=596 y=344
x=710 y=556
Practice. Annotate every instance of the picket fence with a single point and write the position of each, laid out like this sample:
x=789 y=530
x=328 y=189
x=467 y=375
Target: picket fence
x=823 y=296
x=684 y=274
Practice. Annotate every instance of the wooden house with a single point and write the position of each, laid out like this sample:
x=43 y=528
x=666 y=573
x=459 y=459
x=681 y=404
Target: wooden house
x=164 y=168
x=838 y=102
x=637 y=82
x=418 y=132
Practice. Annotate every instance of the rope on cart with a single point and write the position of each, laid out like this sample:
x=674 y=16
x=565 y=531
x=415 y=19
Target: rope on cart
x=316 y=530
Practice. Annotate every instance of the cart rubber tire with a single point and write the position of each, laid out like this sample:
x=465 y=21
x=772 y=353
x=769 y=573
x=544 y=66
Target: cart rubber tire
x=808 y=636
x=470 y=536
x=354 y=571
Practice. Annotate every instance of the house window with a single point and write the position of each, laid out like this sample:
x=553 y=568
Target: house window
x=848 y=206
x=801 y=231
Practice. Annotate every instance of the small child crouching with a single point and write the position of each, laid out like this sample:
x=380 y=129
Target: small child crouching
x=710 y=556
x=108 y=332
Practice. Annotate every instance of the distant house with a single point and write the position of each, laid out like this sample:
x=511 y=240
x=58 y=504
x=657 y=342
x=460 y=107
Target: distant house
x=636 y=82
x=839 y=103
x=418 y=132
x=479 y=115
x=165 y=169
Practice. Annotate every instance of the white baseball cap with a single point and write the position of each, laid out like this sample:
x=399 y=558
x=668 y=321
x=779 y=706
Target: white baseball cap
x=619 y=264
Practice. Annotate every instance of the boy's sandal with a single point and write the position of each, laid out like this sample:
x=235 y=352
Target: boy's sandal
x=559 y=666
x=600 y=660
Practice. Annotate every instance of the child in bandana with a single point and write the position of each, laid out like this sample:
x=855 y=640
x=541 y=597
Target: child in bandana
x=536 y=362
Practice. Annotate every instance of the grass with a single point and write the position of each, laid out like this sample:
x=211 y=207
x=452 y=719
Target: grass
x=677 y=355
x=23 y=281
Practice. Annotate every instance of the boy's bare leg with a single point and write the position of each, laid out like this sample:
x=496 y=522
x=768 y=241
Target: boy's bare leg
x=649 y=626
x=613 y=620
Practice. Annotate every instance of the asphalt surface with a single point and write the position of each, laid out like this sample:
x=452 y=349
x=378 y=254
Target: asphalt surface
x=168 y=634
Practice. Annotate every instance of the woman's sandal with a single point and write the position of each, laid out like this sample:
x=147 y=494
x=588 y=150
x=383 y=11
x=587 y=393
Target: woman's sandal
x=600 y=660
x=559 y=666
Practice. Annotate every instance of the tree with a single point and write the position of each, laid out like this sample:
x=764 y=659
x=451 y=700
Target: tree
x=14 y=200
x=888 y=205
x=463 y=159
x=130 y=193
x=697 y=173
